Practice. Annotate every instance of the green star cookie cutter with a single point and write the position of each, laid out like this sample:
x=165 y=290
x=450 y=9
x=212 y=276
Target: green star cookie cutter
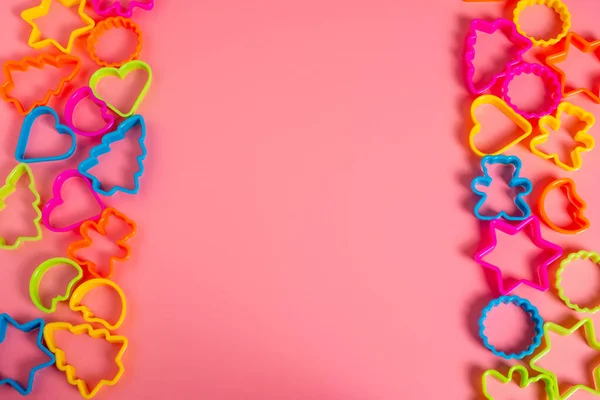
x=590 y=337
x=38 y=274
x=580 y=255
x=5 y=191
x=523 y=383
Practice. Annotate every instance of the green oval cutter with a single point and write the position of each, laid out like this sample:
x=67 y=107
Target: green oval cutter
x=36 y=279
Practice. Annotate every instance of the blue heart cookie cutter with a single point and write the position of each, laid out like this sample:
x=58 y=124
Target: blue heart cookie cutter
x=515 y=182
x=104 y=147
x=26 y=131
x=5 y=320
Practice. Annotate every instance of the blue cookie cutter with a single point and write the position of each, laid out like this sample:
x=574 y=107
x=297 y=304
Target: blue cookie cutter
x=104 y=147
x=6 y=319
x=514 y=182
x=26 y=131
x=538 y=326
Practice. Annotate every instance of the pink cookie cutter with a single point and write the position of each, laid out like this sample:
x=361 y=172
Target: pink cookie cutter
x=74 y=101
x=521 y=43
x=102 y=8
x=57 y=200
x=551 y=100
x=532 y=225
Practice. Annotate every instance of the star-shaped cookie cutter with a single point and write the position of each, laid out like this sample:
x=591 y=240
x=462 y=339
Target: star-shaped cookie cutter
x=585 y=47
x=532 y=225
x=581 y=136
x=524 y=382
x=590 y=337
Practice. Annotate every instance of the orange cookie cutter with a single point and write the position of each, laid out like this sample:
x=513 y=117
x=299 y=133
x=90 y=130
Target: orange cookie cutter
x=576 y=207
x=38 y=62
x=88 y=314
x=69 y=370
x=107 y=215
x=585 y=47
x=106 y=25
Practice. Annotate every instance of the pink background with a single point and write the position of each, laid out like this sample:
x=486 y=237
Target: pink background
x=305 y=221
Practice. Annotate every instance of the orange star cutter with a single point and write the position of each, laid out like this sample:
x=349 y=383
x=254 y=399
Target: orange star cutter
x=39 y=62
x=69 y=370
x=108 y=215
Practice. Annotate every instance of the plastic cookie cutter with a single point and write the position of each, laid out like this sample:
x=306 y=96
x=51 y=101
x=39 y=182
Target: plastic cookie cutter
x=36 y=279
x=122 y=73
x=524 y=382
x=576 y=207
x=106 y=25
x=584 y=140
x=104 y=148
x=516 y=181
x=57 y=200
x=39 y=62
x=583 y=46
x=532 y=226
x=5 y=320
x=26 y=131
x=551 y=99
x=37 y=40
x=580 y=255
x=498 y=103
x=9 y=187
x=108 y=215
x=118 y=9
x=559 y=8
x=70 y=371
x=590 y=337
x=88 y=315
x=71 y=106
x=520 y=43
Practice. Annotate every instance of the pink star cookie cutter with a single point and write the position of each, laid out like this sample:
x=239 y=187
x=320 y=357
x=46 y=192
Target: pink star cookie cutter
x=532 y=226
x=508 y=27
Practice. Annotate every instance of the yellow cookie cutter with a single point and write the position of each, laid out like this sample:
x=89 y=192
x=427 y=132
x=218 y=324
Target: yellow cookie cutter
x=559 y=8
x=69 y=370
x=581 y=136
x=88 y=315
x=35 y=39
x=501 y=105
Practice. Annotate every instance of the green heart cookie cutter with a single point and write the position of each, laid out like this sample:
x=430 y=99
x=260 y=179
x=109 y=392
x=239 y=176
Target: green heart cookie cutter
x=9 y=187
x=38 y=274
x=122 y=73
x=523 y=383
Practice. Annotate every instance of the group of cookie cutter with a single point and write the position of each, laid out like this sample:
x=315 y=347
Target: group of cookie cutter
x=557 y=90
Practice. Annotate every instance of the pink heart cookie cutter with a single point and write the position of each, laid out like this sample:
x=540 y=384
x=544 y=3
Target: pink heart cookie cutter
x=73 y=102
x=57 y=200
x=118 y=9
x=522 y=44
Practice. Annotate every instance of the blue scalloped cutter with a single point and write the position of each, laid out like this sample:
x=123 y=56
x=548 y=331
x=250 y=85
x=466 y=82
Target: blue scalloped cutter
x=515 y=182
x=104 y=148
x=26 y=131
x=536 y=319
x=5 y=320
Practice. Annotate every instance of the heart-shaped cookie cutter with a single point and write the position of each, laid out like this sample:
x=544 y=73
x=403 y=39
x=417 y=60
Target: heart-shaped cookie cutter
x=76 y=98
x=36 y=279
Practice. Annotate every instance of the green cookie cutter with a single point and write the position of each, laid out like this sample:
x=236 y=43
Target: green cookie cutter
x=38 y=274
x=121 y=73
x=9 y=187
x=524 y=382
x=581 y=255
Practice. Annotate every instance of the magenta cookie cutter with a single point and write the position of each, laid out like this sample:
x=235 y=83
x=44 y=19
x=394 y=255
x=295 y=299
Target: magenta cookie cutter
x=118 y=9
x=521 y=43
x=532 y=225
x=552 y=99
x=57 y=200
x=73 y=102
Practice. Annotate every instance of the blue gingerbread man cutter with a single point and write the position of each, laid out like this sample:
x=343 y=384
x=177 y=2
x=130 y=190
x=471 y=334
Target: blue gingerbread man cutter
x=515 y=181
x=5 y=320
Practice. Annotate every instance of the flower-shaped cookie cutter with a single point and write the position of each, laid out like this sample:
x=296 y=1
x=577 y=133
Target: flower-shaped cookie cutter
x=106 y=25
x=559 y=8
x=580 y=255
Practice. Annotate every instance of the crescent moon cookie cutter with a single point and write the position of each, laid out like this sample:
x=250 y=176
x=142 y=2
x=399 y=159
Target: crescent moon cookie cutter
x=88 y=314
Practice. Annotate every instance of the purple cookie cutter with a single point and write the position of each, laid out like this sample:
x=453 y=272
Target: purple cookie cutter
x=74 y=101
x=551 y=100
x=118 y=9
x=57 y=200
x=521 y=43
x=532 y=224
